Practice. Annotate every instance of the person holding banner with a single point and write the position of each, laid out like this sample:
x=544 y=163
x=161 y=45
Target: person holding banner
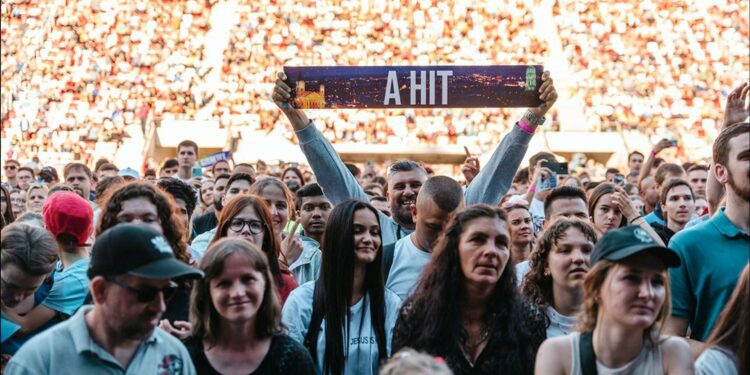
x=403 y=185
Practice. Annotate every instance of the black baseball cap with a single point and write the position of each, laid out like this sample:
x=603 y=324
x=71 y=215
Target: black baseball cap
x=136 y=250
x=621 y=243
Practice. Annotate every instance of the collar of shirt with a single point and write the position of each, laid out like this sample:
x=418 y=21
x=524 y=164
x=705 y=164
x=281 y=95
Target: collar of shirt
x=83 y=341
x=726 y=227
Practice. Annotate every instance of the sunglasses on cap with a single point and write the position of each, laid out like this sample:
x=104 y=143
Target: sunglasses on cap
x=147 y=294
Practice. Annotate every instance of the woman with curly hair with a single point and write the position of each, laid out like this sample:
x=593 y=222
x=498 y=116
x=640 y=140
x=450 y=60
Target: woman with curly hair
x=467 y=308
x=557 y=269
x=626 y=300
x=144 y=203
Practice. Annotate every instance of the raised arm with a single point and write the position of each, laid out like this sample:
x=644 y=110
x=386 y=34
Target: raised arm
x=333 y=176
x=497 y=176
x=646 y=169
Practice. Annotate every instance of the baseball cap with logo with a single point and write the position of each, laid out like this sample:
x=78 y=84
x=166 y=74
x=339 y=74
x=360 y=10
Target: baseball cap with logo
x=621 y=243
x=137 y=250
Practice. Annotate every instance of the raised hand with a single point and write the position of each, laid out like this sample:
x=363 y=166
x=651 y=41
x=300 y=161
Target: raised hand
x=291 y=246
x=738 y=106
x=180 y=329
x=470 y=168
x=282 y=96
x=547 y=94
x=621 y=200
x=661 y=145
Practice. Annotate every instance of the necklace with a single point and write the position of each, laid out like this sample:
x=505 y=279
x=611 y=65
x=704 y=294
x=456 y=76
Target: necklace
x=469 y=346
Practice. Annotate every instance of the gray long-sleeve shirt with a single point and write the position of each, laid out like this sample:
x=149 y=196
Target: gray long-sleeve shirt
x=338 y=184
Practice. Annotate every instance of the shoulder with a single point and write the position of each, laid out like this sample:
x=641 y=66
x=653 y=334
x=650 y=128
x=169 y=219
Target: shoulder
x=689 y=236
x=38 y=353
x=169 y=342
x=675 y=353
x=288 y=348
x=716 y=360
x=392 y=300
x=554 y=356
x=303 y=292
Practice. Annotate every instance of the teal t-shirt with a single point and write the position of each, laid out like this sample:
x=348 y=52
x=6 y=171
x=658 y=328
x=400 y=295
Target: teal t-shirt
x=713 y=255
x=70 y=288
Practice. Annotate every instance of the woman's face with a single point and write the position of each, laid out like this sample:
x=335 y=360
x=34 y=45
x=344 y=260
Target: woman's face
x=366 y=236
x=634 y=291
x=18 y=200
x=276 y=200
x=570 y=259
x=291 y=178
x=35 y=200
x=207 y=191
x=17 y=285
x=483 y=250
x=520 y=226
x=248 y=225
x=606 y=215
x=237 y=293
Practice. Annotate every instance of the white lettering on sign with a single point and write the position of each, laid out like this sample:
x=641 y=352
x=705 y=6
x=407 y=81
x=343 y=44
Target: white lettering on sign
x=391 y=89
x=425 y=85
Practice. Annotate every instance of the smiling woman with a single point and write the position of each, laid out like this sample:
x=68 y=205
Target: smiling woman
x=467 y=308
x=236 y=302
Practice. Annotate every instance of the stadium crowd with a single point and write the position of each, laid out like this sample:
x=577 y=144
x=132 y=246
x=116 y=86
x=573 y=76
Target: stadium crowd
x=338 y=268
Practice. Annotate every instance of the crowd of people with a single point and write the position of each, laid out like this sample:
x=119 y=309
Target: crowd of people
x=76 y=74
x=338 y=269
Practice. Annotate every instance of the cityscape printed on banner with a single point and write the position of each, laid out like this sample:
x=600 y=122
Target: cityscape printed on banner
x=493 y=86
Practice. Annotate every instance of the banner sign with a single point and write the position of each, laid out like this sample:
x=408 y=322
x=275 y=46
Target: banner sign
x=213 y=158
x=444 y=86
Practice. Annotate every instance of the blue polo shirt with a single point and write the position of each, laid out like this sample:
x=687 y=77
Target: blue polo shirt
x=713 y=255
x=68 y=348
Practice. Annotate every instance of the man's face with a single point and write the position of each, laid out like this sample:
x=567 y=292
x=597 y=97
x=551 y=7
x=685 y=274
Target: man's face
x=403 y=188
x=220 y=168
x=313 y=214
x=679 y=205
x=244 y=169
x=698 y=179
x=186 y=156
x=220 y=187
x=429 y=220
x=80 y=182
x=650 y=191
x=738 y=169
x=104 y=174
x=24 y=179
x=127 y=316
x=237 y=187
x=567 y=207
x=169 y=172
x=184 y=217
x=635 y=163
x=17 y=285
x=11 y=170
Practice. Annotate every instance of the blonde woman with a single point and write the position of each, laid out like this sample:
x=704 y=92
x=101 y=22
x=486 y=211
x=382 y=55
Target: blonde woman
x=35 y=197
x=626 y=300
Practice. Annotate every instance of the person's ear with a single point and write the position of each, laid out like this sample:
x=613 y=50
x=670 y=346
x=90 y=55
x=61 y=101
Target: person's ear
x=413 y=208
x=98 y=289
x=721 y=173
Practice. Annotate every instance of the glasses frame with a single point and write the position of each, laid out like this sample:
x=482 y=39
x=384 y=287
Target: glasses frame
x=246 y=223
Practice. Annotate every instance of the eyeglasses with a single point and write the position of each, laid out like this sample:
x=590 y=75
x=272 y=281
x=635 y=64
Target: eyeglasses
x=256 y=226
x=147 y=294
x=9 y=167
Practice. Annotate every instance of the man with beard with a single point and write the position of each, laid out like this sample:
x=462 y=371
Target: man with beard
x=131 y=274
x=406 y=178
x=78 y=176
x=209 y=220
x=714 y=252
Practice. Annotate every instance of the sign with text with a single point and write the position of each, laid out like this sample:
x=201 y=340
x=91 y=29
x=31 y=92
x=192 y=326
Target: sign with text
x=491 y=86
x=209 y=160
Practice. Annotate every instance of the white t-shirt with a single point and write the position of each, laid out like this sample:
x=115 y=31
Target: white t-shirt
x=362 y=348
x=716 y=360
x=408 y=264
x=560 y=325
x=522 y=268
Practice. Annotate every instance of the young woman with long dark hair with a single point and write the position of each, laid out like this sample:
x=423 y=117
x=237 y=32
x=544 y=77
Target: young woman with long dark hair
x=346 y=317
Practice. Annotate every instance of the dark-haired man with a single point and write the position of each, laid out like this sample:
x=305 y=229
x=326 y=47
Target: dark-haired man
x=187 y=154
x=25 y=178
x=697 y=176
x=678 y=203
x=313 y=209
x=404 y=261
x=635 y=162
x=664 y=173
x=209 y=220
x=407 y=178
x=78 y=176
x=169 y=168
